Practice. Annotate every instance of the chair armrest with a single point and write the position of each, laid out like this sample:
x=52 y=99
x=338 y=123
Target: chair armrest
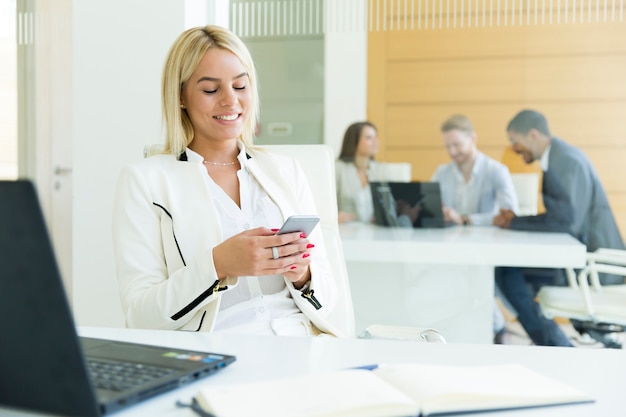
x=611 y=256
x=583 y=285
x=415 y=334
x=571 y=278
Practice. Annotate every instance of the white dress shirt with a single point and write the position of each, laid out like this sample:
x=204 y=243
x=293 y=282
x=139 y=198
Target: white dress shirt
x=256 y=304
x=489 y=189
x=545 y=158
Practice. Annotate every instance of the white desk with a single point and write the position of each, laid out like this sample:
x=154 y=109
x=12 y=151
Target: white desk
x=442 y=278
x=599 y=372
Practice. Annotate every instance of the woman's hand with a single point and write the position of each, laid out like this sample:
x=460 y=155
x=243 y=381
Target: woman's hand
x=250 y=253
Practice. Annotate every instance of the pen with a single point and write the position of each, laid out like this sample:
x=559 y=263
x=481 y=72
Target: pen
x=195 y=407
x=367 y=367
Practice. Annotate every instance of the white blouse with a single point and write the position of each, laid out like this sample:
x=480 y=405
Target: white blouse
x=258 y=305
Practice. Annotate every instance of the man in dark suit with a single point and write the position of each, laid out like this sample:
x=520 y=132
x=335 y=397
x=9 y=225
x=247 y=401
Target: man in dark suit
x=569 y=179
x=575 y=203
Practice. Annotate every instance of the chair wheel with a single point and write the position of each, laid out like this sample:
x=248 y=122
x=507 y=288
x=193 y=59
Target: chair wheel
x=604 y=333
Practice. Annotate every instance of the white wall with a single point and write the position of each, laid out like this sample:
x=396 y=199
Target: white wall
x=345 y=69
x=118 y=52
x=345 y=84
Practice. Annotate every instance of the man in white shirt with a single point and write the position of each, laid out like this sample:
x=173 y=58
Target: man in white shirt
x=474 y=187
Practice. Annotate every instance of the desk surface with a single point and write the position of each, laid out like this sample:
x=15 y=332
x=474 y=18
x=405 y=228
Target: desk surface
x=461 y=246
x=599 y=372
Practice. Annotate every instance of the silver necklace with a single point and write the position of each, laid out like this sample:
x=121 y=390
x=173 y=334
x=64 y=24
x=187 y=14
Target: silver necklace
x=221 y=164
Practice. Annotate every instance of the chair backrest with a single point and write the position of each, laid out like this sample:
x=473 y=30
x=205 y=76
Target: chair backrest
x=527 y=190
x=318 y=164
x=396 y=171
x=150 y=150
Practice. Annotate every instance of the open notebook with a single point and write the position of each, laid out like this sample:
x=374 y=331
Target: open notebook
x=44 y=365
x=391 y=390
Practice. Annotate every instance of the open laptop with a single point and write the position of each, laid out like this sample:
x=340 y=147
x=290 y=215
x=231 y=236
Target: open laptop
x=44 y=365
x=407 y=204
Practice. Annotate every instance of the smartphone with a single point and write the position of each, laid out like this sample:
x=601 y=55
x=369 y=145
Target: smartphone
x=303 y=223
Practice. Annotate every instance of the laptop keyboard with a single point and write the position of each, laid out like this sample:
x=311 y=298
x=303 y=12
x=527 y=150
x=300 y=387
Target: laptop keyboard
x=118 y=376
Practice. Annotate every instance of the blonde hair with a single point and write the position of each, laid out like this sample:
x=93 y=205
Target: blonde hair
x=182 y=60
x=457 y=122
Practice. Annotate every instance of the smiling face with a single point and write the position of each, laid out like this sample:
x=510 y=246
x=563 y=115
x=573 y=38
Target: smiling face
x=368 y=142
x=460 y=145
x=217 y=97
x=523 y=146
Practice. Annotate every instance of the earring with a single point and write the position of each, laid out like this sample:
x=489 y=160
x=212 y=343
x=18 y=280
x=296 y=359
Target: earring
x=182 y=106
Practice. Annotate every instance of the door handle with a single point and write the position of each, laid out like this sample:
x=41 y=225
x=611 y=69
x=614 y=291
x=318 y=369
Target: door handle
x=62 y=171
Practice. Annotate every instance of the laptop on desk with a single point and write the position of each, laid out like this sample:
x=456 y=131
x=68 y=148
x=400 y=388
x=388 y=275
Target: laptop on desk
x=407 y=204
x=44 y=365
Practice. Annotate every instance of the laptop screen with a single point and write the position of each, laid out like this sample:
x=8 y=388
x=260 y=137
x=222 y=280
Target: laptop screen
x=44 y=365
x=407 y=204
x=40 y=355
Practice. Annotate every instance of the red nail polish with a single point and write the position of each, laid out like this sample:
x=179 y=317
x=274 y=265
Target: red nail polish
x=302 y=235
x=306 y=255
x=293 y=267
x=310 y=245
x=274 y=230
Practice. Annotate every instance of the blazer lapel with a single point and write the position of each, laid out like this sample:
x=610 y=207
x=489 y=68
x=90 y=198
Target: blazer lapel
x=272 y=182
x=198 y=208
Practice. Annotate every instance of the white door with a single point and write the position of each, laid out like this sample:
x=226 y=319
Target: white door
x=45 y=116
x=59 y=28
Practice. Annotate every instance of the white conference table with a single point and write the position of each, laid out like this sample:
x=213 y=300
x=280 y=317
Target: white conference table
x=442 y=278
x=601 y=373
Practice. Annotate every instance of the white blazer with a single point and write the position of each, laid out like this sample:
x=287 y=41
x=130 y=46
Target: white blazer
x=165 y=226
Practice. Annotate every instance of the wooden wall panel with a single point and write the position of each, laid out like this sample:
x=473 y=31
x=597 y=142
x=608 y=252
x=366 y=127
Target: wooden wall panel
x=583 y=124
x=576 y=39
x=508 y=79
x=376 y=84
x=610 y=163
x=485 y=42
x=423 y=161
x=575 y=78
x=434 y=82
x=443 y=44
x=587 y=124
x=410 y=125
x=618 y=205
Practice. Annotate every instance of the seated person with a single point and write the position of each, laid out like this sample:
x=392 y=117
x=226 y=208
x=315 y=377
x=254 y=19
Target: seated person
x=194 y=229
x=577 y=200
x=574 y=198
x=355 y=168
x=473 y=186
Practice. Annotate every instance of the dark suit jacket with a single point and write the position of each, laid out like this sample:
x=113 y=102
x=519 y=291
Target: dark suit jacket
x=559 y=214
x=575 y=201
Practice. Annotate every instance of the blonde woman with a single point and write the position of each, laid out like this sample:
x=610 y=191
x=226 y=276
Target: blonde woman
x=194 y=228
